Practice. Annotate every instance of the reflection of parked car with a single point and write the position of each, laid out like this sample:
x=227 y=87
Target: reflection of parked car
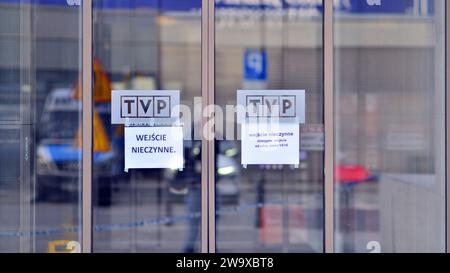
x=227 y=173
x=353 y=175
x=59 y=155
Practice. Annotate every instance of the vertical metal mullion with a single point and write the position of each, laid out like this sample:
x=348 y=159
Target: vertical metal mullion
x=211 y=139
x=447 y=122
x=208 y=154
x=204 y=92
x=87 y=126
x=329 y=125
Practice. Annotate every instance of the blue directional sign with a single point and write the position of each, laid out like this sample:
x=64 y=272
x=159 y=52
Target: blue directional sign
x=405 y=7
x=351 y=7
x=255 y=65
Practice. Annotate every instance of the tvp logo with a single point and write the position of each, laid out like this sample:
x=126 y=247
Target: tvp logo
x=271 y=106
x=287 y=105
x=144 y=106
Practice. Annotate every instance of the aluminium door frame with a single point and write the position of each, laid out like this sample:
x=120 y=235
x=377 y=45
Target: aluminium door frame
x=447 y=125
x=328 y=75
x=87 y=138
x=208 y=225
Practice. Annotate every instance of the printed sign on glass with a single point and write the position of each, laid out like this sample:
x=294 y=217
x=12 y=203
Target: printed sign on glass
x=153 y=133
x=270 y=125
x=154 y=147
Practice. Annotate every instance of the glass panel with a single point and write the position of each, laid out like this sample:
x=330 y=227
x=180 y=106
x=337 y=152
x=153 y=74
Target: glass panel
x=145 y=45
x=40 y=155
x=390 y=131
x=269 y=45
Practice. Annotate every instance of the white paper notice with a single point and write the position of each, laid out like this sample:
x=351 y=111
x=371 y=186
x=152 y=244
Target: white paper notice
x=153 y=148
x=278 y=145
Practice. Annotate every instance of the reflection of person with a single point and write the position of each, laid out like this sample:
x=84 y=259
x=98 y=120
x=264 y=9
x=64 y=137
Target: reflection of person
x=190 y=179
x=192 y=176
x=188 y=182
x=193 y=204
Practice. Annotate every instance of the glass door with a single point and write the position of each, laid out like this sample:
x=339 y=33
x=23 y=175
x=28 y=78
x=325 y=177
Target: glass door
x=40 y=154
x=390 y=126
x=144 y=46
x=269 y=189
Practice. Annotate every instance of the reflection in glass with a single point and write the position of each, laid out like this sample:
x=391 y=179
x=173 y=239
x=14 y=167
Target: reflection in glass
x=145 y=45
x=261 y=45
x=390 y=184
x=40 y=173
